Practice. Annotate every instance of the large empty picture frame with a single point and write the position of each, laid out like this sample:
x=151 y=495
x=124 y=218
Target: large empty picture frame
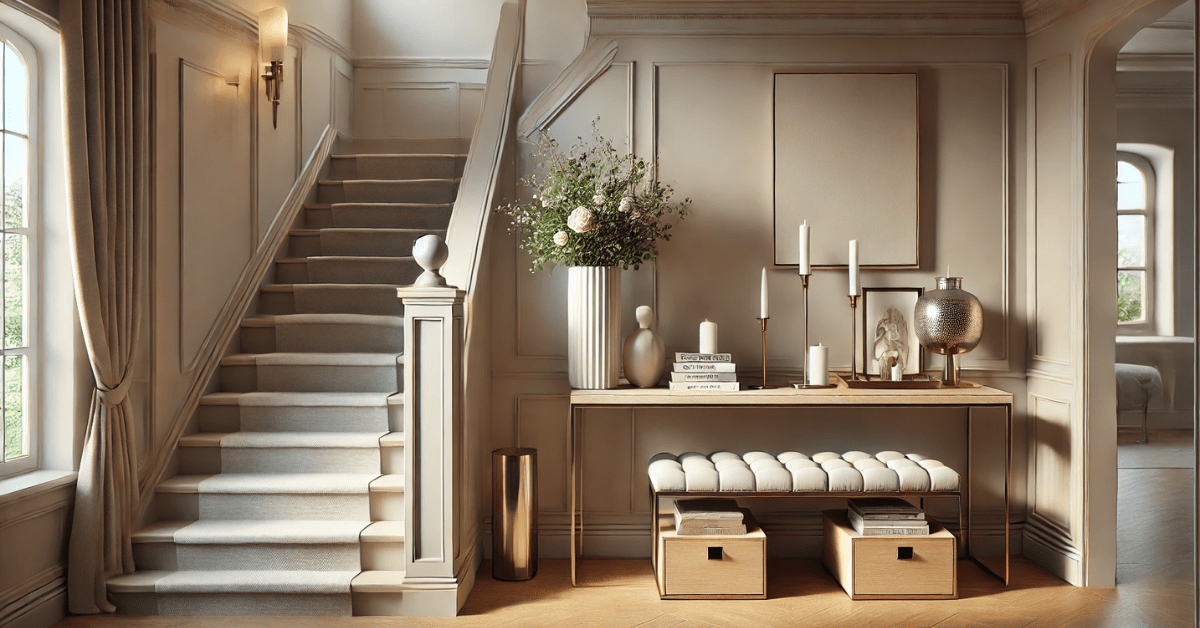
x=846 y=154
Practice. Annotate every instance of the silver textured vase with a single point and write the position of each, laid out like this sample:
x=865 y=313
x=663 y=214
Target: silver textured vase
x=948 y=321
x=593 y=326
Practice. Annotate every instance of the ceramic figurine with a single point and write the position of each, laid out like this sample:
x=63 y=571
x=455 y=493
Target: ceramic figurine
x=645 y=353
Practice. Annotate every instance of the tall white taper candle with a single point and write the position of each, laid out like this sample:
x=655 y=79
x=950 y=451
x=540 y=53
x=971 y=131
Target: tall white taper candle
x=764 y=294
x=805 y=266
x=708 y=337
x=855 y=286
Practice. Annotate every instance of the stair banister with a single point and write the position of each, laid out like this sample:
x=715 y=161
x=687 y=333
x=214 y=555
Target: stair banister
x=447 y=380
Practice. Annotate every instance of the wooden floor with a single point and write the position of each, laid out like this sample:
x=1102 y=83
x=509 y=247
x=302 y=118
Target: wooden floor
x=1154 y=582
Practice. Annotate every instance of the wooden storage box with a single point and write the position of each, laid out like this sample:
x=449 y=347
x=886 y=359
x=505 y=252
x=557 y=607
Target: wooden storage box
x=712 y=567
x=891 y=567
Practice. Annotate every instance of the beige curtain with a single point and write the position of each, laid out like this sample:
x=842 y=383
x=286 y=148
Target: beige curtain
x=104 y=65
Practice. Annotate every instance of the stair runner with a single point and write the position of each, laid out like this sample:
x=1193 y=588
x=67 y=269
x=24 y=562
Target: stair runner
x=289 y=498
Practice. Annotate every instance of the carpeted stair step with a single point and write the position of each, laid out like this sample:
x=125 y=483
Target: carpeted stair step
x=330 y=298
x=299 y=412
x=391 y=145
x=363 y=241
x=371 y=191
x=347 y=270
x=378 y=215
x=242 y=496
x=397 y=166
x=387 y=497
x=382 y=545
x=322 y=333
x=312 y=372
x=270 y=545
x=224 y=593
x=280 y=452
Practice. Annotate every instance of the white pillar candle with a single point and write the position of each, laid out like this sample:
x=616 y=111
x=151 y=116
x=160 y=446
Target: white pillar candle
x=708 y=337
x=763 y=307
x=805 y=267
x=897 y=371
x=855 y=286
x=818 y=366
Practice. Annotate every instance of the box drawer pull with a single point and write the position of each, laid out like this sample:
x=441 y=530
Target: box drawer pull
x=715 y=553
x=904 y=553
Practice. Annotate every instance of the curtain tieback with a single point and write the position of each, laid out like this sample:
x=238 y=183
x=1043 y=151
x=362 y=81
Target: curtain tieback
x=114 y=396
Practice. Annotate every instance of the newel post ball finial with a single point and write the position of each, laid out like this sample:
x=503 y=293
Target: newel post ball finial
x=431 y=253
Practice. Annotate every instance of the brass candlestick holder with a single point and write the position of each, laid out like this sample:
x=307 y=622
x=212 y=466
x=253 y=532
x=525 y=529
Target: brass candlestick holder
x=853 y=335
x=804 y=379
x=765 y=386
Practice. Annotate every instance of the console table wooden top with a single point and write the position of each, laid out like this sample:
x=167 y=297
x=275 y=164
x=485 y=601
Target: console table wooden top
x=842 y=395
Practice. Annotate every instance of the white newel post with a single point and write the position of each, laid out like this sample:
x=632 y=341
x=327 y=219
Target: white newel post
x=433 y=319
x=433 y=411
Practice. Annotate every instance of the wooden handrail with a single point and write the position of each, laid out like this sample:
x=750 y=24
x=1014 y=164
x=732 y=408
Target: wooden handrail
x=493 y=130
x=229 y=320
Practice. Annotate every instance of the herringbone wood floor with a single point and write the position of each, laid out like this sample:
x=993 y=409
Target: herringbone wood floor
x=1154 y=582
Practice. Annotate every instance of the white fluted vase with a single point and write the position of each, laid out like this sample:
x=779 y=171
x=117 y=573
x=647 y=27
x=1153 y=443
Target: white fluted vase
x=593 y=326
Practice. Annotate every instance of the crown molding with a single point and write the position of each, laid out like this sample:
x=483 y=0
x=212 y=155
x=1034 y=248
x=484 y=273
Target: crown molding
x=235 y=20
x=1040 y=14
x=1155 y=98
x=875 y=9
x=1155 y=63
x=805 y=17
x=408 y=63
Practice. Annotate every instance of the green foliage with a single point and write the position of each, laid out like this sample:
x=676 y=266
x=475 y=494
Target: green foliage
x=1129 y=298
x=593 y=207
x=14 y=328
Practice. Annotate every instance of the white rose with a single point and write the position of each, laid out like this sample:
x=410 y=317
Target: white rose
x=598 y=198
x=545 y=202
x=560 y=238
x=626 y=204
x=581 y=221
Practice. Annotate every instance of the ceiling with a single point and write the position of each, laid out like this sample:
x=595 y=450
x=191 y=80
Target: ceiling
x=1173 y=34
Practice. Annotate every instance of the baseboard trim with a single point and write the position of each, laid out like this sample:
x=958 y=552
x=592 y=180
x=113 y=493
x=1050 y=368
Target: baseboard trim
x=39 y=608
x=1066 y=567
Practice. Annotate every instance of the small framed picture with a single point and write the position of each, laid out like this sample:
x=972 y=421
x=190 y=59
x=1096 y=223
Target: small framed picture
x=889 y=336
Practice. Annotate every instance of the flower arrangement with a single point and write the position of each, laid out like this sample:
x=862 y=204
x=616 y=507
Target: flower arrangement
x=593 y=207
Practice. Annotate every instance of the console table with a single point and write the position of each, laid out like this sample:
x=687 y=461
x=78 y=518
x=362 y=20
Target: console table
x=988 y=447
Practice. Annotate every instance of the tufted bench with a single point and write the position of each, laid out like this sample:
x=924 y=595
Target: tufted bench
x=758 y=474
x=791 y=471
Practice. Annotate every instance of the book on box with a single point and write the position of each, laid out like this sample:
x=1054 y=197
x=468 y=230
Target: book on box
x=696 y=517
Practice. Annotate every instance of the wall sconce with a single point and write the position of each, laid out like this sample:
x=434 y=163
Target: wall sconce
x=272 y=45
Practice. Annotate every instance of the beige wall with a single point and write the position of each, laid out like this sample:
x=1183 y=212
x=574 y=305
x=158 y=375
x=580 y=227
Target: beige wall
x=221 y=172
x=702 y=106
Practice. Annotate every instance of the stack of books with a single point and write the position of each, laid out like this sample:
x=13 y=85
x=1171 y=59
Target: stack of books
x=697 y=517
x=704 y=371
x=886 y=516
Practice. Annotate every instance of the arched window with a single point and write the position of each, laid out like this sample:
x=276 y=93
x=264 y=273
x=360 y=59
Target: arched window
x=18 y=276
x=1135 y=241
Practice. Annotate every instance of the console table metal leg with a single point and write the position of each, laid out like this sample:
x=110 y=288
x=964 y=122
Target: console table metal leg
x=572 y=491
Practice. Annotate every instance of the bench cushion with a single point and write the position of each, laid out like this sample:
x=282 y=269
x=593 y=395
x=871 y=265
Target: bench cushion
x=852 y=472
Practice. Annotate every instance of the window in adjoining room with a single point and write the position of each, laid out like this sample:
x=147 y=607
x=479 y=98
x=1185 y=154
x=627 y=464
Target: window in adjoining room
x=1135 y=241
x=16 y=271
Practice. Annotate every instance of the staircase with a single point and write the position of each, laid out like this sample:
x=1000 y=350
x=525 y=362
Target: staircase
x=290 y=497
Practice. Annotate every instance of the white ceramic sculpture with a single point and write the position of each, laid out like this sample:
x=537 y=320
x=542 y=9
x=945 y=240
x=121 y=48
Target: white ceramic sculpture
x=431 y=253
x=645 y=352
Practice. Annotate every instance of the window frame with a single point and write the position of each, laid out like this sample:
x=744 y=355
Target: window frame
x=1145 y=326
x=32 y=253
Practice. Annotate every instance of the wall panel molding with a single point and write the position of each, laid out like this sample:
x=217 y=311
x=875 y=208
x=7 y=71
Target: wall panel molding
x=213 y=187
x=1051 y=120
x=1056 y=483
x=409 y=63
